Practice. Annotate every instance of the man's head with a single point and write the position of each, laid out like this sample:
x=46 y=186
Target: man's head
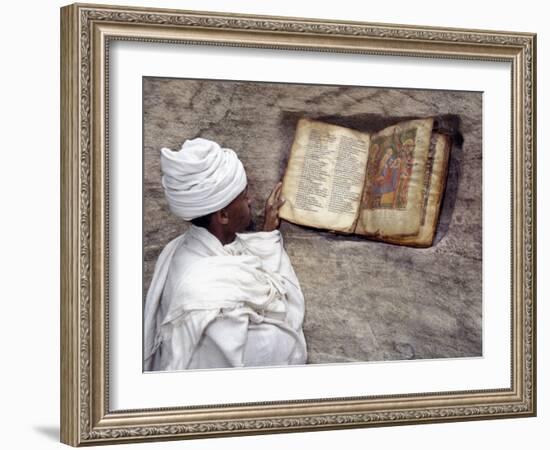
x=206 y=184
x=234 y=218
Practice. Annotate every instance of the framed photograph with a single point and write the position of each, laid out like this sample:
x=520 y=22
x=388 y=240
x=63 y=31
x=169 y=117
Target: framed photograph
x=278 y=224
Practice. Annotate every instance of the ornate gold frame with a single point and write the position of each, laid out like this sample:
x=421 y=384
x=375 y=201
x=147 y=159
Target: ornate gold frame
x=86 y=31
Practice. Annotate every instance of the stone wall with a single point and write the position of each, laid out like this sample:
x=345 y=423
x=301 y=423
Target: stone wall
x=365 y=300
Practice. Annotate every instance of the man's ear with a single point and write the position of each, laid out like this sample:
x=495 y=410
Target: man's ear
x=222 y=216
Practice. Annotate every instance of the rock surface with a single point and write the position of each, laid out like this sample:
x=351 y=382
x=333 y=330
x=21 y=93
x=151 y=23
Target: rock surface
x=365 y=300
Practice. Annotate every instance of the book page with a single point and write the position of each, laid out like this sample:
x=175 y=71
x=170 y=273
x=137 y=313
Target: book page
x=393 y=195
x=324 y=179
x=434 y=190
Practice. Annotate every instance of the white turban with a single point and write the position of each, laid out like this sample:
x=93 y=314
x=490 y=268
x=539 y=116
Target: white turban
x=201 y=178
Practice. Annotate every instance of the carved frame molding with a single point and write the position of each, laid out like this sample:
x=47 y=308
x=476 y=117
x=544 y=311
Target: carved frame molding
x=86 y=32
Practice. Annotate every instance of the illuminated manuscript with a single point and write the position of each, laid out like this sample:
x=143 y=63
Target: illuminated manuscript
x=386 y=185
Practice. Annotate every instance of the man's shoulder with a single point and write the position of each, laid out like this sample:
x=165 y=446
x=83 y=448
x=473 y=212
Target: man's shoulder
x=186 y=253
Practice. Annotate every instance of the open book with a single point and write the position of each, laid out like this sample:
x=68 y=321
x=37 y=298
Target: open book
x=386 y=185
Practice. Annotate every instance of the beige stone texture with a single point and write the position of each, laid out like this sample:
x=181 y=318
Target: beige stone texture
x=365 y=300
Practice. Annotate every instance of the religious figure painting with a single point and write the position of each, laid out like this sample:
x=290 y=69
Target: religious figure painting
x=297 y=224
x=391 y=161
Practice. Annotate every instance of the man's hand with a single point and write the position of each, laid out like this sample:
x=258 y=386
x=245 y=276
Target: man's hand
x=272 y=205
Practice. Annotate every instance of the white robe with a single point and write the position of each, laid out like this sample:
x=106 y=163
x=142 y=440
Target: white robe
x=212 y=305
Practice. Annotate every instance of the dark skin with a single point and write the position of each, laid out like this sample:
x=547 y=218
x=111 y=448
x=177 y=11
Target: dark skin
x=237 y=216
